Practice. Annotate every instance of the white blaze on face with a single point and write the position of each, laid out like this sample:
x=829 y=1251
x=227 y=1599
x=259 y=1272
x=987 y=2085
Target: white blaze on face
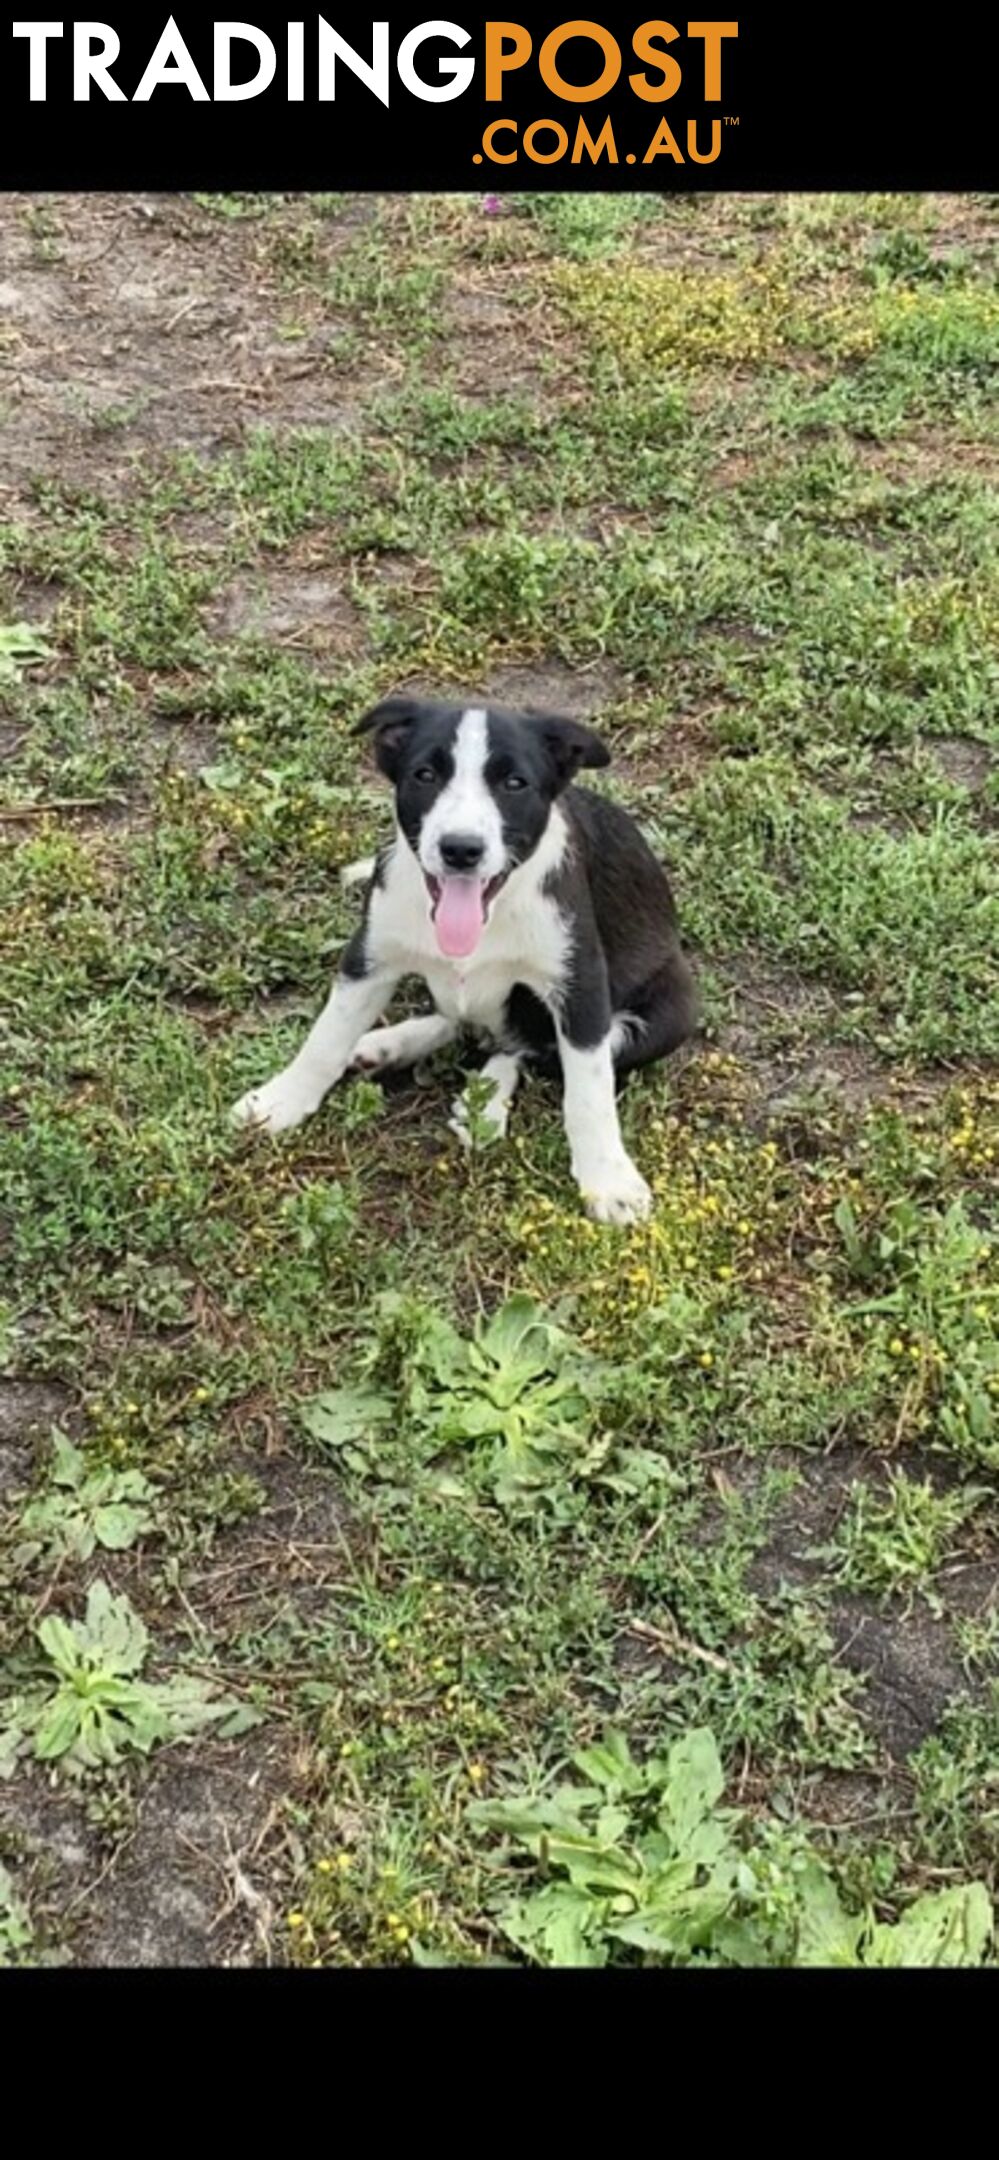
x=465 y=806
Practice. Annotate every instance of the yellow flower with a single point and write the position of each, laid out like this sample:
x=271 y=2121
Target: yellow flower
x=896 y=1346
x=296 y=1919
x=706 y=1359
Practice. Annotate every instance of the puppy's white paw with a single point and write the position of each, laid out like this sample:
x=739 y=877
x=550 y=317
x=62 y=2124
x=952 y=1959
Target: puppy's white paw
x=374 y=1051
x=618 y=1195
x=283 y=1102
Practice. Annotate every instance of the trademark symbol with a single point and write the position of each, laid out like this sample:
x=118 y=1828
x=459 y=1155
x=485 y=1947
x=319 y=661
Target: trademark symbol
x=730 y=121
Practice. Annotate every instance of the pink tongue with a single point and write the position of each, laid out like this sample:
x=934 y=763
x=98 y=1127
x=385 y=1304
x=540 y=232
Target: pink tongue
x=459 y=917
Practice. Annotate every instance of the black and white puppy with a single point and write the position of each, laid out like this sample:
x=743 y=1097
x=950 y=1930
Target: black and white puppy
x=535 y=913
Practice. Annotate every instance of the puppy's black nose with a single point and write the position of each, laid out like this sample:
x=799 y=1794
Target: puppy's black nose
x=462 y=850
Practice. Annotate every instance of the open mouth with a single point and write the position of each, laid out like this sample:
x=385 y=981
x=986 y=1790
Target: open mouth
x=459 y=910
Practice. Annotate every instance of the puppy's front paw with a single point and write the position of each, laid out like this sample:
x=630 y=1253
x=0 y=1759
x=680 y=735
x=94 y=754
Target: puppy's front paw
x=374 y=1051
x=618 y=1194
x=283 y=1102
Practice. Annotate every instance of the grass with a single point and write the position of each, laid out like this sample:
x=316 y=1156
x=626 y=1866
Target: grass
x=382 y=1463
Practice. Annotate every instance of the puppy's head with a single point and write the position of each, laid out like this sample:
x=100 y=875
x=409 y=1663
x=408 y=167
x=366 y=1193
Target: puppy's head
x=474 y=787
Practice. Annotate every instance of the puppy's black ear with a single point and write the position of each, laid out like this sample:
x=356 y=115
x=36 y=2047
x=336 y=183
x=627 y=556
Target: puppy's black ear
x=389 y=723
x=569 y=745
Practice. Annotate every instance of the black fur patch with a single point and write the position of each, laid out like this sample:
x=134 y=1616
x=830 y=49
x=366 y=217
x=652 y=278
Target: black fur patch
x=626 y=952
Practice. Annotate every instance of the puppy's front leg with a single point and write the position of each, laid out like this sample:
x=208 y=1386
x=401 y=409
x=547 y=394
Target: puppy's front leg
x=612 y=1188
x=359 y=995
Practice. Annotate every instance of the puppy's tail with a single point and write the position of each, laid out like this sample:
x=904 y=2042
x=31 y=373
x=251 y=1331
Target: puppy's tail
x=358 y=873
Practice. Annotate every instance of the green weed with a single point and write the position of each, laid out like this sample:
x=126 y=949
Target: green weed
x=86 y=1507
x=21 y=646
x=896 y=1542
x=641 y=1863
x=517 y=1399
x=92 y=1706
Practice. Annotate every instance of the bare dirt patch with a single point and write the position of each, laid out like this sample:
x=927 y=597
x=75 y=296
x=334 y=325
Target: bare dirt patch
x=490 y=348
x=911 y=1672
x=188 y=1880
x=733 y=470
x=774 y=1007
x=292 y=607
x=139 y=325
x=285 y=1560
x=188 y=745
x=12 y=735
x=809 y=1516
x=579 y=693
x=927 y=455
x=28 y=1411
x=666 y=755
x=970 y=763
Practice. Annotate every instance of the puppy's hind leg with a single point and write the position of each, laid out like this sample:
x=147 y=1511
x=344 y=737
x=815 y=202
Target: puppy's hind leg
x=662 y=1016
x=503 y=1071
x=405 y=1043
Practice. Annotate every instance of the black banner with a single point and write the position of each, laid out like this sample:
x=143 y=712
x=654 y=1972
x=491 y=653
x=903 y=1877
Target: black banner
x=820 y=99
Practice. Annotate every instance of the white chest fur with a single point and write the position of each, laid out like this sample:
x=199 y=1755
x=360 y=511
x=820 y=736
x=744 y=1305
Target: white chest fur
x=525 y=940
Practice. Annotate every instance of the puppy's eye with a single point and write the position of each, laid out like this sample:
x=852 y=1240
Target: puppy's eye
x=514 y=781
x=425 y=775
